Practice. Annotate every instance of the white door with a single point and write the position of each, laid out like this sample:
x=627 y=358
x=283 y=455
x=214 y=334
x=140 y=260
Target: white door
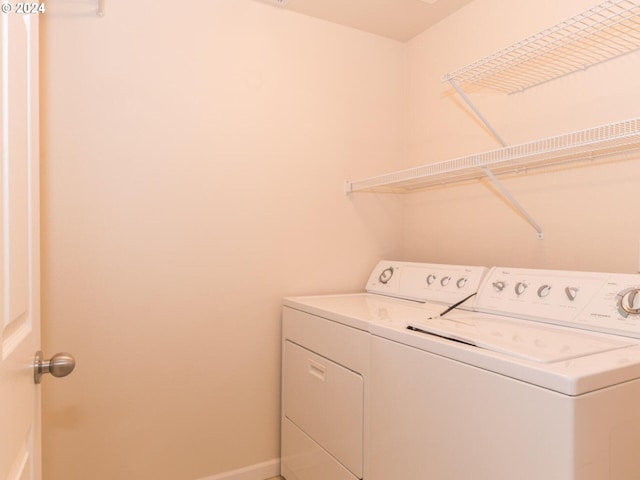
x=19 y=247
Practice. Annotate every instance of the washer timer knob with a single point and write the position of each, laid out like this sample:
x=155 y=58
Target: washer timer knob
x=499 y=285
x=629 y=301
x=571 y=293
x=430 y=279
x=462 y=281
x=544 y=290
x=445 y=281
x=520 y=288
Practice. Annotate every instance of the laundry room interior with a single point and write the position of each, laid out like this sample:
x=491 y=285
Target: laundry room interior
x=197 y=160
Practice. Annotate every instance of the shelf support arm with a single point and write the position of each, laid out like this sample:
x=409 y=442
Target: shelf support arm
x=488 y=172
x=514 y=202
x=476 y=111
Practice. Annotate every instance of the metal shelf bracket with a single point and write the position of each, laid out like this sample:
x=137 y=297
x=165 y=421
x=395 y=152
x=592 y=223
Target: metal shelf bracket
x=492 y=177
x=514 y=202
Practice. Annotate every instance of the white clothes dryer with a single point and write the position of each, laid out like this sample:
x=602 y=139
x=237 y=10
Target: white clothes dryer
x=326 y=401
x=541 y=382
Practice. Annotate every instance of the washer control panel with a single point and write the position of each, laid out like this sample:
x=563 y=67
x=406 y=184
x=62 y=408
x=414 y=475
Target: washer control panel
x=446 y=284
x=602 y=302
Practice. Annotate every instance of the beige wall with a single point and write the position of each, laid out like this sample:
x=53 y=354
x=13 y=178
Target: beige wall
x=193 y=160
x=587 y=214
x=194 y=155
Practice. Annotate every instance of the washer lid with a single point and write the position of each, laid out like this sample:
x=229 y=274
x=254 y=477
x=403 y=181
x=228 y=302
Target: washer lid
x=519 y=338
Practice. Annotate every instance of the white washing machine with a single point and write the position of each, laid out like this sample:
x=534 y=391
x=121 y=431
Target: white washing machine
x=541 y=382
x=326 y=394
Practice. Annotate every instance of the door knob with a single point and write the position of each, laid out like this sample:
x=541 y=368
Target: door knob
x=60 y=365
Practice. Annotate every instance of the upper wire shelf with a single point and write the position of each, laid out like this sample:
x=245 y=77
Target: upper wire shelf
x=607 y=140
x=608 y=30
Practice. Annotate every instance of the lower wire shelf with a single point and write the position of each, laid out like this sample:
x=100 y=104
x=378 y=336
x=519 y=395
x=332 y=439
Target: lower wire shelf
x=590 y=144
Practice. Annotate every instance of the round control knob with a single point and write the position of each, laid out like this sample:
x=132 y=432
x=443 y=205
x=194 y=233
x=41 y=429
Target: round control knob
x=445 y=281
x=499 y=285
x=629 y=302
x=544 y=290
x=430 y=279
x=571 y=293
x=386 y=275
x=462 y=281
x=520 y=288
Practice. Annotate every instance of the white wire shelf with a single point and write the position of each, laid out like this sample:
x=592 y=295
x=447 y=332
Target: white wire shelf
x=591 y=144
x=606 y=31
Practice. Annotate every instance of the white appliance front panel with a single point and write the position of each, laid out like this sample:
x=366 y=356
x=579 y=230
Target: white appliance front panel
x=433 y=417
x=325 y=400
x=304 y=459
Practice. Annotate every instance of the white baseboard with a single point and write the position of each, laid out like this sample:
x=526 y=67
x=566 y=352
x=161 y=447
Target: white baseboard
x=259 y=471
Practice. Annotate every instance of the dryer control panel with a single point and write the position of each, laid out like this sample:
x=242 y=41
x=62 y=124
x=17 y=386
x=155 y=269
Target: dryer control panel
x=426 y=282
x=604 y=302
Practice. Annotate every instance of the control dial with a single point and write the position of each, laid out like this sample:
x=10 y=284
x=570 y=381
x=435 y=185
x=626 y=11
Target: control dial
x=571 y=293
x=520 y=288
x=430 y=279
x=462 y=281
x=544 y=290
x=385 y=275
x=499 y=285
x=629 y=302
x=445 y=281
